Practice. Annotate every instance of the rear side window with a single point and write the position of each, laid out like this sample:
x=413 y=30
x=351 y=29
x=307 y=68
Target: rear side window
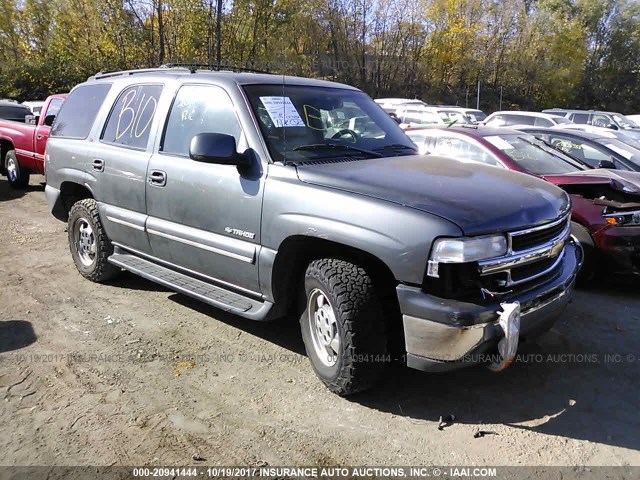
x=582 y=118
x=496 y=121
x=421 y=117
x=519 y=120
x=79 y=111
x=543 y=122
x=129 y=123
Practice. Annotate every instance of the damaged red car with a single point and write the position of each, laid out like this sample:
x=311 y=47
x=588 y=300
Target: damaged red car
x=605 y=203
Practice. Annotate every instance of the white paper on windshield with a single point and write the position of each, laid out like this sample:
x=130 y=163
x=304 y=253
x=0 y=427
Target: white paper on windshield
x=500 y=143
x=282 y=112
x=619 y=150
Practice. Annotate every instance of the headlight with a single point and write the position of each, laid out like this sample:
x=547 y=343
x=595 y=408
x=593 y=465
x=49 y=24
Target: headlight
x=465 y=250
x=623 y=218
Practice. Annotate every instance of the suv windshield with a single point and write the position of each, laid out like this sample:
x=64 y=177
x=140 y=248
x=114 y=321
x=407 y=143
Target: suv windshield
x=533 y=155
x=627 y=151
x=624 y=122
x=301 y=123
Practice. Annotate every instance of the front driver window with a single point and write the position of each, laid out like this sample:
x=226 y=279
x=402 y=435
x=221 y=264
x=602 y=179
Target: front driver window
x=198 y=109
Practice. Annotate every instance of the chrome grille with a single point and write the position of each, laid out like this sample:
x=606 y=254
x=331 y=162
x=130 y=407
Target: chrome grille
x=527 y=239
x=533 y=253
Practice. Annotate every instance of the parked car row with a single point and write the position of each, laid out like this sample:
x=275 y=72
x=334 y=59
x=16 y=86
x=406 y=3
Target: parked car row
x=416 y=113
x=604 y=201
x=409 y=112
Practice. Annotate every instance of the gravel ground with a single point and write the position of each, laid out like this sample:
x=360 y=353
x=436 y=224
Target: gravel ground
x=130 y=373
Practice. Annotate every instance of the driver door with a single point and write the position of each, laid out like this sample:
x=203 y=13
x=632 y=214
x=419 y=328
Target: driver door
x=203 y=217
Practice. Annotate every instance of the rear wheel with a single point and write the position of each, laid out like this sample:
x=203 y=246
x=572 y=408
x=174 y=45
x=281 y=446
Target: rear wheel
x=342 y=326
x=17 y=175
x=88 y=242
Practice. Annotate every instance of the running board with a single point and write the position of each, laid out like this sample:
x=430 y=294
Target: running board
x=213 y=295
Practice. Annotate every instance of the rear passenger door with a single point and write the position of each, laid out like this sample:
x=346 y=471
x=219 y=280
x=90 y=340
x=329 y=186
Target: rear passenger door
x=204 y=218
x=119 y=165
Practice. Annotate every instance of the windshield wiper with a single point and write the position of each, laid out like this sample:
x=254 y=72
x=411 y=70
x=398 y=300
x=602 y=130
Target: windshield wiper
x=335 y=146
x=396 y=146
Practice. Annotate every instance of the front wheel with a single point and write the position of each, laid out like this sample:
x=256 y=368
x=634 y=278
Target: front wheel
x=17 y=175
x=591 y=263
x=89 y=244
x=342 y=326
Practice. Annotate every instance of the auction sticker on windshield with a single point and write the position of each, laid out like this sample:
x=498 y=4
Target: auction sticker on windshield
x=282 y=112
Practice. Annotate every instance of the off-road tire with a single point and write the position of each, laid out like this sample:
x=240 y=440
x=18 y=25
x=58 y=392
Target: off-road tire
x=20 y=177
x=100 y=270
x=362 y=354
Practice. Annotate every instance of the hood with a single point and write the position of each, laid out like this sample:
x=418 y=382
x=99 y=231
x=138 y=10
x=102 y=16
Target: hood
x=479 y=199
x=621 y=180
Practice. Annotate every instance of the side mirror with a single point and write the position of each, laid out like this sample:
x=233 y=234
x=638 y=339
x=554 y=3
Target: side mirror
x=49 y=119
x=216 y=148
x=610 y=164
x=30 y=119
x=611 y=126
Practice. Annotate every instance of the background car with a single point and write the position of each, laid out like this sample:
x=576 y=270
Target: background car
x=474 y=115
x=34 y=106
x=517 y=118
x=611 y=120
x=604 y=202
x=597 y=150
x=603 y=132
x=13 y=111
x=421 y=116
x=392 y=105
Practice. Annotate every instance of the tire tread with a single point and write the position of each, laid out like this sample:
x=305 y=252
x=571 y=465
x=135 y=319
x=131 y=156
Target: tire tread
x=103 y=270
x=359 y=311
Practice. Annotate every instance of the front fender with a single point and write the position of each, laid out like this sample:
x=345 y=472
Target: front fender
x=397 y=235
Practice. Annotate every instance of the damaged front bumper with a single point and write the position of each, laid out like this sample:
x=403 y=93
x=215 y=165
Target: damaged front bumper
x=621 y=248
x=442 y=334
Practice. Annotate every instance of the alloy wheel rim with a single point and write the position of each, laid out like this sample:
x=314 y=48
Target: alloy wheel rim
x=84 y=241
x=323 y=327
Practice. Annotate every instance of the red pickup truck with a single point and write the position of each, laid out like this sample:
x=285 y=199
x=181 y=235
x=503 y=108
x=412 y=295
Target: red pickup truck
x=22 y=143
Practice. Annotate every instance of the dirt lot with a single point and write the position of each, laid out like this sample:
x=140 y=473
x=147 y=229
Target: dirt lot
x=130 y=373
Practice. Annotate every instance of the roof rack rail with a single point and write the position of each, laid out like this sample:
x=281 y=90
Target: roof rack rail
x=191 y=67
x=214 y=67
x=98 y=75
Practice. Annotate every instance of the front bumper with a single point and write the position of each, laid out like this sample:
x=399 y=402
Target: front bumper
x=621 y=247
x=442 y=334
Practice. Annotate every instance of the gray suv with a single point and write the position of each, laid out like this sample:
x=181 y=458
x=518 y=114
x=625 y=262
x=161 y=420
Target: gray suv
x=612 y=120
x=269 y=196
